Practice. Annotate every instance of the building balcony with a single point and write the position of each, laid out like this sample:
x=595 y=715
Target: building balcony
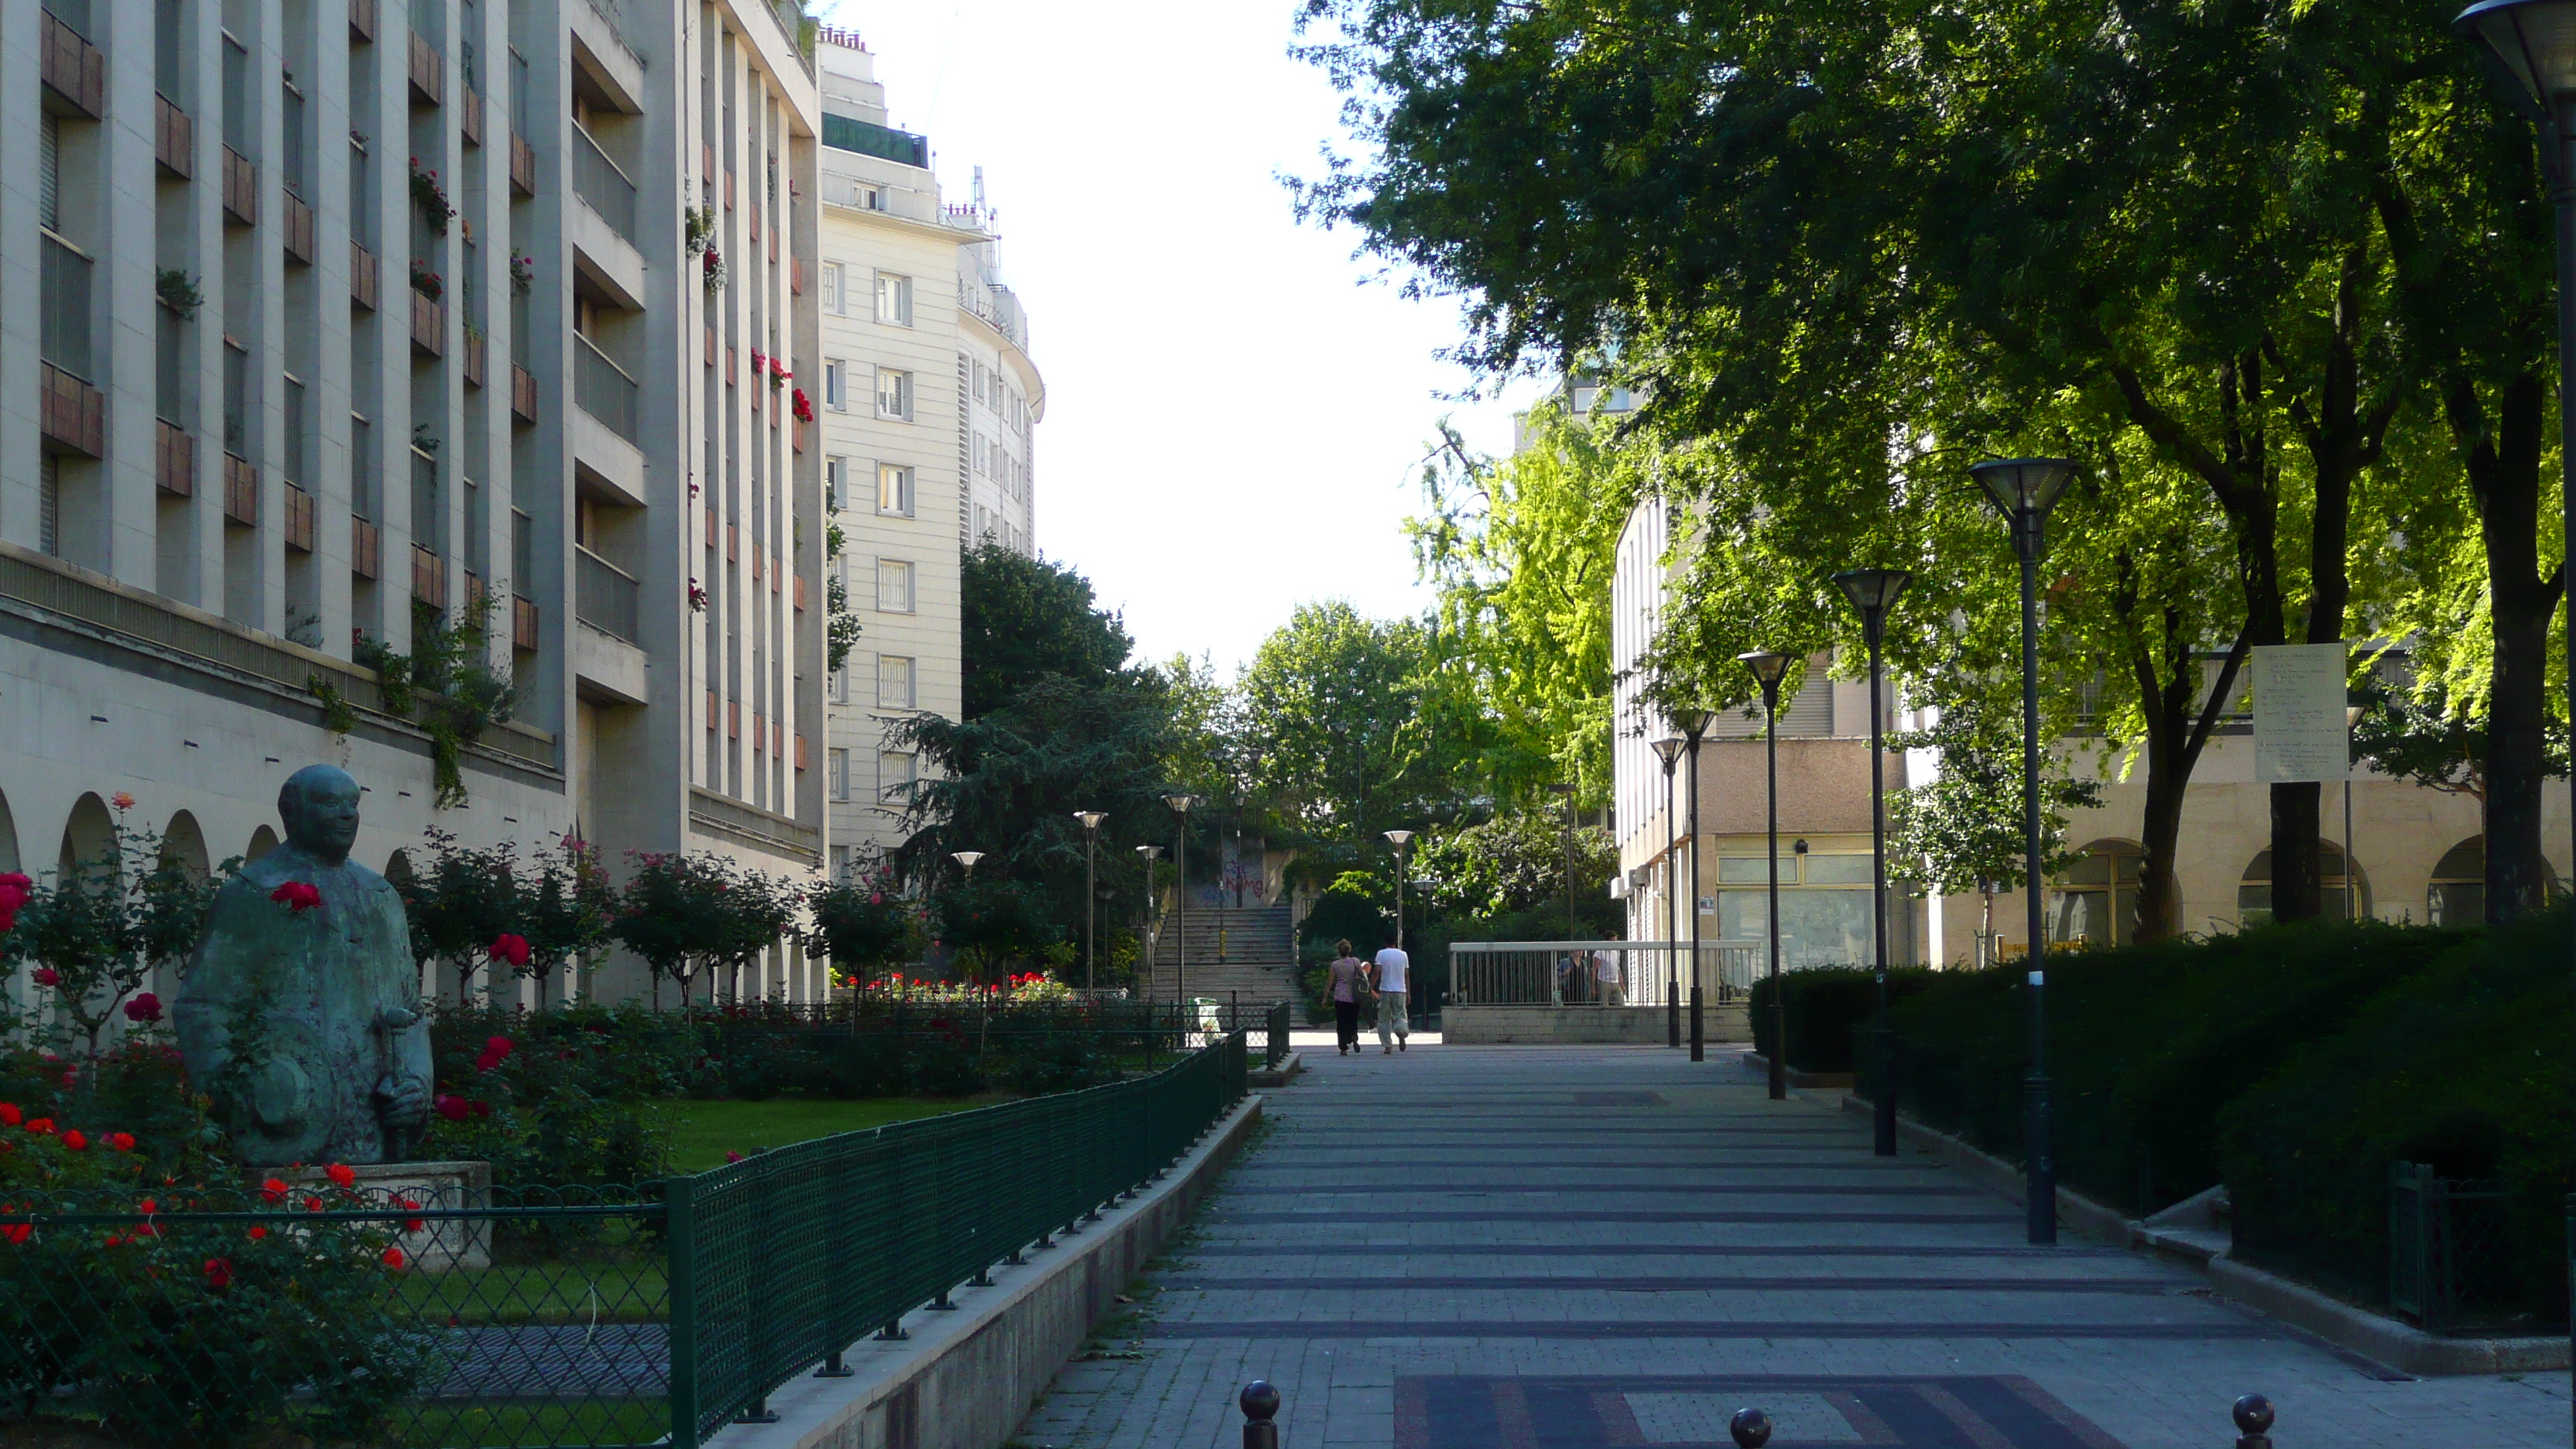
x=362 y=276
x=523 y=166
x=469 y=119
x=75 y=71
x=174 y=139
x=602 y=388
x=603 y=184
x=606 y=597
x=428 y=325
x=74 y=414
x=523 y=623
x=300 y=519
x=296 y=221
x=476 y=348
x=366 y=549
x=523 y=394
x=362 y=20
x=428 y=577
x=428 y=73
x=174 y=465
x=241 y=188
x=241 y=491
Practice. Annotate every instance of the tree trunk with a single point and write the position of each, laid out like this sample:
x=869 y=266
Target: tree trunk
x=2298 y=870
x=2176 y=734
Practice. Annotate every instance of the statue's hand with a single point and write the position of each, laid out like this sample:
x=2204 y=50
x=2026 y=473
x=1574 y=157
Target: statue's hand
x=403 y=1103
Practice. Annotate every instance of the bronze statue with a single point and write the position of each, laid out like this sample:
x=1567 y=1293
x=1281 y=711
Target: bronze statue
x=300 y=1015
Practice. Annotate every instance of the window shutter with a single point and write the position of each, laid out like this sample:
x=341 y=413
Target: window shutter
x=49 y=174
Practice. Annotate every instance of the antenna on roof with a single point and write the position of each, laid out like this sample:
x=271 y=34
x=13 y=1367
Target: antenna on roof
x=979 y=188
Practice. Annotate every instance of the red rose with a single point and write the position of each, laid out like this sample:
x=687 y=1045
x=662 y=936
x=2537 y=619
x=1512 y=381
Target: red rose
x=499 y=1046
x=16 y=1233
x=75 y=1141
x=394 y=1259
x=41 y=1126
x=46 y=976
x=482 y=1109
x=410 y=1225
x=144 y=1007
x=258 y=1233
x=510 y=948
x=313 y=1204
x=297 y=896
x=10 y=1116
x=341 y=1175
x=121 y=1141
x=274 y=1190
x=452 y=1108
x=219 y=1272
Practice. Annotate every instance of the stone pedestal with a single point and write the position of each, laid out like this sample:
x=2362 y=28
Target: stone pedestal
x=442 y=1244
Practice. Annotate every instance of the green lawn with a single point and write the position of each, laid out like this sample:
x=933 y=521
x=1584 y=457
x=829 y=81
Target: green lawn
x=703 y=1132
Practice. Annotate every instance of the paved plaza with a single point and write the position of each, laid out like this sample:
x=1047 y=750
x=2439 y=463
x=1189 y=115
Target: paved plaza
x=1536 y=1248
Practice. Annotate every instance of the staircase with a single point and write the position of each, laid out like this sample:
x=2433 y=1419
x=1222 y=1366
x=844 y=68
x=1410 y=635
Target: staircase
x=1251 y=951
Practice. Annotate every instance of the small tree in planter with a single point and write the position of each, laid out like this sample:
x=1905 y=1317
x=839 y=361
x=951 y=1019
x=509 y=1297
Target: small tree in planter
x=462 y=904
x=863 y=923
x=569 y=909
x=672 y=914
x=759 y=912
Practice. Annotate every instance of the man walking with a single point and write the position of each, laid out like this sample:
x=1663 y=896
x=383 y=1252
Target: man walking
x=1392 y=1027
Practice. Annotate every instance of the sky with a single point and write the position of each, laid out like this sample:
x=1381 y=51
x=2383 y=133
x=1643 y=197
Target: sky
x=1237 y=409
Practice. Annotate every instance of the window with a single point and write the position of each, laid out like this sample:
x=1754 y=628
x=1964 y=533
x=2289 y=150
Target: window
x=2254 y=891
x=841 y=685
x=236 y=398
x=362 y=215
x=2095 y=899
x=980 y=375
x=894 y=394
x=168 y=356
x=838 y=763
x=840 y=862
x=894 y=586
x=362 y=467
x=894 y=682
x=831 y=287
x=894 y=489
x=834 y=369
x=2457 y=895
x=237 y=109
x=293 y=170
x=523 y=553
x=836 y=477
x=294 y=421
x=896 y=773
x=894 y=299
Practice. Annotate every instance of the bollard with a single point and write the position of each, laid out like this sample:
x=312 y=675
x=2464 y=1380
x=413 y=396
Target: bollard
x=1260 y=1405
x=2253 y=1422
x=1750 y=1428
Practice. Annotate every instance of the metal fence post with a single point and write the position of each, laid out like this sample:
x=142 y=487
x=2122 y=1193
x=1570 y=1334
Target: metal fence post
x=2409 y=1276
x=2253 y=1415
x=679 y=1207
x=1260 y=1404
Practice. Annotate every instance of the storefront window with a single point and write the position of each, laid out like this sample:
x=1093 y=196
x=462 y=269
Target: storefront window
x=1824 y=908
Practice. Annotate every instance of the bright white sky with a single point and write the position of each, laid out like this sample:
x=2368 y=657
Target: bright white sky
x=1235 y=410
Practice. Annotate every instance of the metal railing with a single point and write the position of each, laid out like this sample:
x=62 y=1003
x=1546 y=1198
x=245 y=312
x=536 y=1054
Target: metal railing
x=1598 y=973
x=592 y=1318
x=603 y=389
x=606 y=597
x=603 y=184
x=2452 y=1263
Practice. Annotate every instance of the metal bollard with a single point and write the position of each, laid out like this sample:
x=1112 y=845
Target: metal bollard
x=2253 y=1422
x=1260 y=1405
x=1750 y=1428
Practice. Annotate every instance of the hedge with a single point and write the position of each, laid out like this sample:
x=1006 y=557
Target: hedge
x=1826 y=1007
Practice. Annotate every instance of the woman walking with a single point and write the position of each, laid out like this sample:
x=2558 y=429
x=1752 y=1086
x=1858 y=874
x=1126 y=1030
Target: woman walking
x=1349 y=980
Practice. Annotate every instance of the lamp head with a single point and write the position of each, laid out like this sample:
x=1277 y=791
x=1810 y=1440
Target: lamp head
x=1150 y=852
x=2352 y=714
x=1691 y=720
x=1668 y=749
x=1768 y=667
x=1091 y=818
x=1180 y=803
x=966 y=858
x=1400 y=838
x=2024 y=487
x=2530 y=48
x=1873 y=591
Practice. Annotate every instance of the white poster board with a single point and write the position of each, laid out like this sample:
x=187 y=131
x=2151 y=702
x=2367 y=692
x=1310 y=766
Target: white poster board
x=2299 y=729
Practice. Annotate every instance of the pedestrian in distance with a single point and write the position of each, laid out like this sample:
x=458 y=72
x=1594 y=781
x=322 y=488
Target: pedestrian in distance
x=1608 y=988
x=1392 y=968
x=1349 y=981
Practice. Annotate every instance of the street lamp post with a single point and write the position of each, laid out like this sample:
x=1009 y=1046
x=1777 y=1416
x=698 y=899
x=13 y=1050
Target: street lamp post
x=1399 y=839
x=1874 y=592
x=964 y=858
x=1090 y=896
x=1669 y=750
x=2023 y=490
x=1180 y=803
x=1767 y=669
x=1565 y=788
x=2351 y=887
x=1694 y=723
x=1153 y=933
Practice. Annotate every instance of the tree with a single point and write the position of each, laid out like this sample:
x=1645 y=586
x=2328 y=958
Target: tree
x=1512 y=863
x=96 y=930
x=460 y=903
x=672 y=914
x=569 y=910
x=1023 y=618
x=862 y=921
x=2423 y=738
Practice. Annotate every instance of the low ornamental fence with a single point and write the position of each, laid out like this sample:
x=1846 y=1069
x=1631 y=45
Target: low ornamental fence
x=1114 y=1026
x=2453 y=1263
x=653 y=1317
x=1598 y=973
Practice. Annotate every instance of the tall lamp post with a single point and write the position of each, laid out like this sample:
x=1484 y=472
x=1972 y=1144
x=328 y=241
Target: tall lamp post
x=1399 y=839
x=1180 y=804
x=1874 y=592
x=1693 y=723
x=2024 y=489
x=2351 y=887
x=1153 y=936
x=1669 y=750
x=1090 y=896
x=1767 y=669
x=1565 y=788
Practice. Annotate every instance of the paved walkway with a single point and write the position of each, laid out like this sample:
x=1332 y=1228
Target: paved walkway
x=1530 y=1248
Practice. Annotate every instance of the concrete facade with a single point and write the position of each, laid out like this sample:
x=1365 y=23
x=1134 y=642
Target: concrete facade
x=928 y=425
x=372 y=413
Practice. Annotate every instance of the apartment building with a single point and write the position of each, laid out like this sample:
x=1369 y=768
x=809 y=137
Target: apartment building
x=328 y=327
x=929 y=408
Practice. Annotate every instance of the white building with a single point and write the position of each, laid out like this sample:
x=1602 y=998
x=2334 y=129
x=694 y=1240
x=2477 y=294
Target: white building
x=318 y=317
x=929 y=407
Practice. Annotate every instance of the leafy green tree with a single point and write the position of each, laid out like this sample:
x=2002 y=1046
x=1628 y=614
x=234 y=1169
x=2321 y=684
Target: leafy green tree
x=460 y=900
x=1512 y=863
x=1023 y=618
x=672 y=914
x=96 y=930
x=566 y=912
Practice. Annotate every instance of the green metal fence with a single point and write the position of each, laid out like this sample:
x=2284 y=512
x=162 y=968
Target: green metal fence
x=220 y=1318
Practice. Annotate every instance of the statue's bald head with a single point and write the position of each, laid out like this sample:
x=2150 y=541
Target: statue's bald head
x=319 y=807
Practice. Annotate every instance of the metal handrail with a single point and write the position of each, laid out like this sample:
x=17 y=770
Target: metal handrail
x=1561 y=973
x=603 y=184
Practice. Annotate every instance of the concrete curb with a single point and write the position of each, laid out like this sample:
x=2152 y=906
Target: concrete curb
x=1832 y=1081
x=2373 y=1336
x=1289 y=1066
x=965 y=1379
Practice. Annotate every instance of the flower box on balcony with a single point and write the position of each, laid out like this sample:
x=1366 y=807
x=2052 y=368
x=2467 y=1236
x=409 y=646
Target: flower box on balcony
x=523 y=393
x=523 y=166
x=428 y=577
x=241 y=491
x=428 y=73
x=523 y=623
x=74 y=413
x=174 y=138
x=366 y=549
x=298 y=226
x=362 y=20
x=241 y=188
x=476 y=345
x=74 y=69
x=362 y=276
x=428 y=325
x=175 y=460
x=299 y=519
x=469 y=119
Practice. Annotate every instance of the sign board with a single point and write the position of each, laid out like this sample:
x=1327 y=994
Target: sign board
x=2299 y=729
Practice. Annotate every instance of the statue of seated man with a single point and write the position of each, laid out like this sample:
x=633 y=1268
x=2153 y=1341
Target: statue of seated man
x=300 y=1015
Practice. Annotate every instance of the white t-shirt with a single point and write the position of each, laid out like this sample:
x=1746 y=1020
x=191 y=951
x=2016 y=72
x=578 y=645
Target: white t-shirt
x=1391 y=964
x=1605 y=967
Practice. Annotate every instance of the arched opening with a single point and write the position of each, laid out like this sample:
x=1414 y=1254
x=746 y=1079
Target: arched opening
x=183 y=844
x=89 y=837
x=2458 y=893
x=2254 y=892
x=8 y=838
x=2095 y=899
x=262 y=841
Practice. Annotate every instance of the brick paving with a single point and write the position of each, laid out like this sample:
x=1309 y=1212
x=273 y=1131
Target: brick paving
x=1534 y=1248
